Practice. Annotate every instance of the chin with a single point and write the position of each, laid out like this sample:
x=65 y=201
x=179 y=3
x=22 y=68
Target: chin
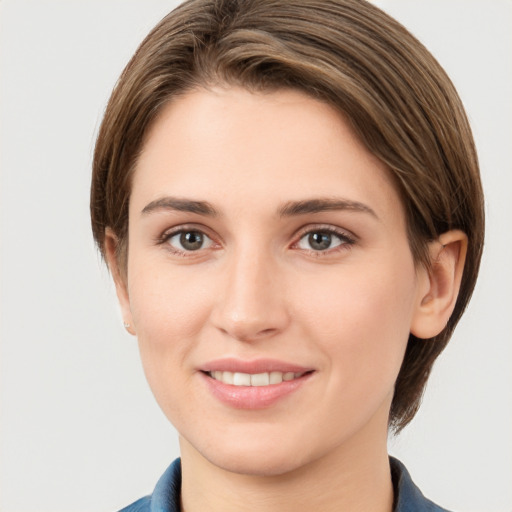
x=264 y=456
x=261 y=464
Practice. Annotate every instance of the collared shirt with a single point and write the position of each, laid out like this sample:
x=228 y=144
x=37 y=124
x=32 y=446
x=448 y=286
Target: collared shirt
x=166 y=496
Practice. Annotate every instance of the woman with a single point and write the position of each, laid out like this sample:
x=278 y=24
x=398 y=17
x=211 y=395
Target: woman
x=287 y=195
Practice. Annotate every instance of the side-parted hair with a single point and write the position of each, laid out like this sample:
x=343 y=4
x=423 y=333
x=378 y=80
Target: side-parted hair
x=346 y=53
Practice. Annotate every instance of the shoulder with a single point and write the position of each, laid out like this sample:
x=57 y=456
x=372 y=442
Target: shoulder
x=407 y=495
x=142 y=505
x=166 y=495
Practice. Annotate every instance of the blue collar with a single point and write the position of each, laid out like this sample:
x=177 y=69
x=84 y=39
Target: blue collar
x=166 y=496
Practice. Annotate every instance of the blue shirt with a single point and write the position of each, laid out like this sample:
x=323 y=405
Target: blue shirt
x=166 y=496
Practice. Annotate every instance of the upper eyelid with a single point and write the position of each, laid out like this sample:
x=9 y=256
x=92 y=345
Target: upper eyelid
x=342 y=232
x=170 y=232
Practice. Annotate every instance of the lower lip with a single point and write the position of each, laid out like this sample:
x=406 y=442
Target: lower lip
x=253 y=397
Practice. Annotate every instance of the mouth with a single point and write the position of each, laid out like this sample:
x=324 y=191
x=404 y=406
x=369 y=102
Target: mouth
x=255 y=379
x=257 y=384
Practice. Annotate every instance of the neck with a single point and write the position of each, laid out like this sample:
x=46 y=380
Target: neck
x=354 y=478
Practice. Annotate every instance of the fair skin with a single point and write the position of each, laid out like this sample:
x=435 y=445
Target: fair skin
x=263 y=237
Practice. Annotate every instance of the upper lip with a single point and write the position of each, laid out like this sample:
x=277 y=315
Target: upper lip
x=253 y=366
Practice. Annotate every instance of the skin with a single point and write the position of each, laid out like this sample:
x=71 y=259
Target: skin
x=258 y=288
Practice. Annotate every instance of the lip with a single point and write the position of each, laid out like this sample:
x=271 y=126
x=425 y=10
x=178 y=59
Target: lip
x=254 y=366
x=253 y=397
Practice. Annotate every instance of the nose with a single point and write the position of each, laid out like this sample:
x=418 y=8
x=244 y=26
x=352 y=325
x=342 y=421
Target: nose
x=252 y=300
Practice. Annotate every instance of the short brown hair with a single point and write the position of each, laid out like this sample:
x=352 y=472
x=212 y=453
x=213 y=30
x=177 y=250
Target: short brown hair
x=347 y=53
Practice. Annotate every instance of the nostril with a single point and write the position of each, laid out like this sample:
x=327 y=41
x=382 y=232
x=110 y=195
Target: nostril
x=266 y=332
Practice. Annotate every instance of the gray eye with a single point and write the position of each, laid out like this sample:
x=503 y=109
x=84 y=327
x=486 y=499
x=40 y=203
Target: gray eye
x=190 y=241
x=320 y=241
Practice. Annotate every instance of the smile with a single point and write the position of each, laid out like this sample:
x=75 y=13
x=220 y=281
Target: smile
x=255 y=379
x=254 y=385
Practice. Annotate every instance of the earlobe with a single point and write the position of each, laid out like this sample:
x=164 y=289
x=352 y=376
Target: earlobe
x=120 y=279
x=439 y=286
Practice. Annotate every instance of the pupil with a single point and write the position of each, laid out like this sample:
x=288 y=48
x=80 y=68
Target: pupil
x=191 y=240
x=320 y=241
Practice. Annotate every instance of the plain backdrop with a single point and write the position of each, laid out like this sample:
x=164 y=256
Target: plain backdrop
x=80 y=430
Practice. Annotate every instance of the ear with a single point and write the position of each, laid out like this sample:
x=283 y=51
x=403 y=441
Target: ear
x=120 y=278
x=438 y=287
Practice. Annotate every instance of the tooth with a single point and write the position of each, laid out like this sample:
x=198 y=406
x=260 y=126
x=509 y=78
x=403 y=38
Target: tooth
x=260 y=379
x=257 y=379
x=227 y=377
x=241 y=379
x=276 y=377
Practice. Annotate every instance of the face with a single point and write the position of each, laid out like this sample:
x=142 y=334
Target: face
x=270 y=281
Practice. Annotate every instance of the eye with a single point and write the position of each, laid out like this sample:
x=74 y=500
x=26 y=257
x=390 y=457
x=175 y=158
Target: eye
x=320 y=240
x=188 y=240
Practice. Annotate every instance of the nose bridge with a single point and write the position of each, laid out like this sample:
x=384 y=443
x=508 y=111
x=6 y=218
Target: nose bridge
x=252 y=303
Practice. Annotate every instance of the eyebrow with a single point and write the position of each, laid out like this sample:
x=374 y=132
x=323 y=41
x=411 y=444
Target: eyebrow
x=288 y=209
x=325 y=204
x=181 y=205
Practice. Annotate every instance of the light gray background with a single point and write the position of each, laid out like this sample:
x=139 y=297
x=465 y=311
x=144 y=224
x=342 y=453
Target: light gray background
x=80 y=430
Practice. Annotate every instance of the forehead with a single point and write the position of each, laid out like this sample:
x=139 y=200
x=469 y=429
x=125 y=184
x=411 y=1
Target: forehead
x=230 y=145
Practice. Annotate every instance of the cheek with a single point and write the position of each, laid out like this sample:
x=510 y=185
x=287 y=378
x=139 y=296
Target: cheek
x=361 y=320
x=165 y=302
x=168 y=310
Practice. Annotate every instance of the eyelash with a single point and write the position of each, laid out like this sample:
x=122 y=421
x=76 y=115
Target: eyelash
x=345 y=239
x=167 y=235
